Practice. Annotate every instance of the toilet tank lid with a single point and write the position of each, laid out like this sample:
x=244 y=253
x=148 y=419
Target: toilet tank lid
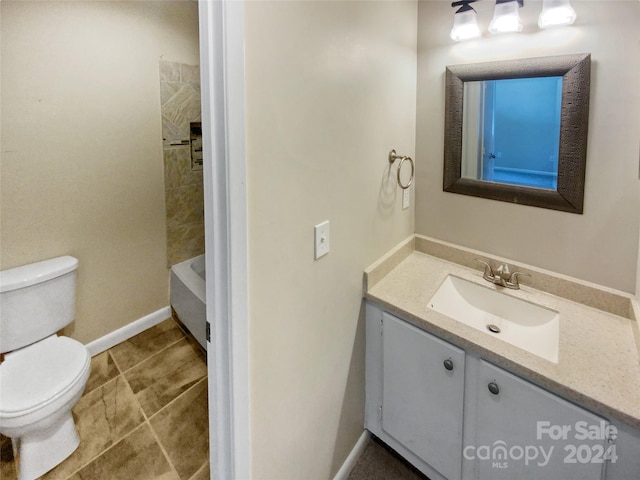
x=26 y=275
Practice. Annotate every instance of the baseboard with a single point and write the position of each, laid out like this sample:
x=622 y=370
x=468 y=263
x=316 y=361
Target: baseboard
x=128 y=331
x=353 y=457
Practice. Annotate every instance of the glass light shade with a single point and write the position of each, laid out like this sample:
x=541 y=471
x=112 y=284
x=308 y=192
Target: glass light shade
x=465 y=26
x=506 y=18
x=556 y=13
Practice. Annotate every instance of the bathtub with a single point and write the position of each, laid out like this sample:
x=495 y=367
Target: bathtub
x=187 y=296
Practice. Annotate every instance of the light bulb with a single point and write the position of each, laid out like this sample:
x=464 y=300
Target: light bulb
x=556 y=13
x=465 y=25
x=506 y=18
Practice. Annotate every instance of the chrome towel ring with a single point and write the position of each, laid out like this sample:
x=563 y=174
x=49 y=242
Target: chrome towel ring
x=392 y=158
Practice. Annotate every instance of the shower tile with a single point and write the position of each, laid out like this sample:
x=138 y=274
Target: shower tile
x=182 y=428
x=145 y=344
x=164 y=376
x=7 y=464
x=182 y=108
x=184 y=242
x=196 y=87
x=185 y=205
x=203 y=474
x=172 y=132
x=137 y=456
x=189 y=73
x=103 y=417
x=103 y=369
x=168 y=90
x=169 y=71
x=177 y=168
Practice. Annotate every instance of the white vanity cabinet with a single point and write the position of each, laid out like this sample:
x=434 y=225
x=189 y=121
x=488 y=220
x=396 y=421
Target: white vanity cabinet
x=518 y=430
x=414 y=402
x=423 y=393
x=455 y=416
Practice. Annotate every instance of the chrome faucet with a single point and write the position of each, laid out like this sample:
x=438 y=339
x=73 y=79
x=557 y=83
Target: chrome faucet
x=502 y=276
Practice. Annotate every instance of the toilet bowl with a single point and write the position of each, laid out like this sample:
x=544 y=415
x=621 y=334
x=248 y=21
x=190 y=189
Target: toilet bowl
x=42 y=375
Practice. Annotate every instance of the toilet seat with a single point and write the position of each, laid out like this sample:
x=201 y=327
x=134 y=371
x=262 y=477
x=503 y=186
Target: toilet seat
x=37 y=375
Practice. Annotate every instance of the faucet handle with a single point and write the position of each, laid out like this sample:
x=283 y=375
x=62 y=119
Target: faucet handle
x=513 y=282
x=488 y=271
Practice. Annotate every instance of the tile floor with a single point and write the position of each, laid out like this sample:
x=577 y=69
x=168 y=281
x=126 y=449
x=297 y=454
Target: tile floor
x=143 y=414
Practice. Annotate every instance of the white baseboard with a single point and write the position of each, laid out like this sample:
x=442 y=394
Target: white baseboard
x=128 y=331
x=353 y=457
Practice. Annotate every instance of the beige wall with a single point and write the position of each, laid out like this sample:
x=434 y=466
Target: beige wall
x=600 y=246
x=330 y=89
x=82 y=168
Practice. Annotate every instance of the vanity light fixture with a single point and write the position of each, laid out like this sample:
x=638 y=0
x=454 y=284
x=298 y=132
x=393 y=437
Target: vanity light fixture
x=465 y=24
x=556 y=13
x=506 y=17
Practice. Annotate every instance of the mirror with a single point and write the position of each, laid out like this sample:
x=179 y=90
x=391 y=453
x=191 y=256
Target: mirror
x=516 y=130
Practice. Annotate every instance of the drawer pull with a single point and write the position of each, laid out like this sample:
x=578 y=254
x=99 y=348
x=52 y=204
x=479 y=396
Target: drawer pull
x=448 y=364
x=493 y=388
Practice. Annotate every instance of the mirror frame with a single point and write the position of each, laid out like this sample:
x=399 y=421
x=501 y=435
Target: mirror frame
x=575 y=71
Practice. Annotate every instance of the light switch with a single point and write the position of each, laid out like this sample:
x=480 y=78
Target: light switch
x=321 y=235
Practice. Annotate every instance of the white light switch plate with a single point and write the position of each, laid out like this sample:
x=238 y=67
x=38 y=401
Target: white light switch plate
x=406 y=196
x=321 y=235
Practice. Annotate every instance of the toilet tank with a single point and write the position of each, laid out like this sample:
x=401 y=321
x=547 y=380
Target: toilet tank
x=36 y=301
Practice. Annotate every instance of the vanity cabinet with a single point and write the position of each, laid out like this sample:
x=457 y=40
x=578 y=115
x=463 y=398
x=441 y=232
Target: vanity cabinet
x=530 y=433
x=455 y=416
x=422 y=397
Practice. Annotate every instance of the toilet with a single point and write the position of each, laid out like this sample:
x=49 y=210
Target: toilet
x=42 y=375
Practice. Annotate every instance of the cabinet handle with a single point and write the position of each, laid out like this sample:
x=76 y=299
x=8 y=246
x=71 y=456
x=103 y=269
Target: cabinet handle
x=448 y=364
x=493 y=388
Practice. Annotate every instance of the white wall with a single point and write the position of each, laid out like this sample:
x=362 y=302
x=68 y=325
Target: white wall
x=330 y=89
x=602 y=244
x=82 y=168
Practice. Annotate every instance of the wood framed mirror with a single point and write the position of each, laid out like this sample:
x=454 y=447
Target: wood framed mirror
x=484 y=124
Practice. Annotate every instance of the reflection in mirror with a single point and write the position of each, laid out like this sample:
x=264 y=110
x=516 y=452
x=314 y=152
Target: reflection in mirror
x=511 y=131
x=516 y=130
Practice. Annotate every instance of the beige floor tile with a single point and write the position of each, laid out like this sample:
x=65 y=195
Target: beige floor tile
x=136 y=457
x=183 y=430
x=7 y=465
x=103 y=369
x=164 y=376
x=103 y=417
x=144 y=345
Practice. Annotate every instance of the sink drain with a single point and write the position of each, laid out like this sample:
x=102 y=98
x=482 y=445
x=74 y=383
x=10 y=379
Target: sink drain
x=493 y=328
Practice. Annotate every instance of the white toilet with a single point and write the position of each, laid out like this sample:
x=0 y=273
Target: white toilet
x=42 y=375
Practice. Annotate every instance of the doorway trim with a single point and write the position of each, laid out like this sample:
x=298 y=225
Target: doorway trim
x=226 y=244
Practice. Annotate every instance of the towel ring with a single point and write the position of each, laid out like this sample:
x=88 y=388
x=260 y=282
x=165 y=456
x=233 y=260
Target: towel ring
x=413 y=169
x=393 y=157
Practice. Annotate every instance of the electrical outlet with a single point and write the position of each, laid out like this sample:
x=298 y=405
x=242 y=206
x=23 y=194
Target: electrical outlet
x=406 y=197
x=321 y=236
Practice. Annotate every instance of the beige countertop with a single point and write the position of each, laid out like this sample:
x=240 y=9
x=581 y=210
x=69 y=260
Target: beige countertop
x=598 y=365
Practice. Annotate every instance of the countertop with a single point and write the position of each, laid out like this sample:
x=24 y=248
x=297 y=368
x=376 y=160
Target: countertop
x=598 y=366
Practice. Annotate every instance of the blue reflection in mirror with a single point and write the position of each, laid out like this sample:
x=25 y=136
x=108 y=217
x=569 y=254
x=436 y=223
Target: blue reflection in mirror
x=511 y=131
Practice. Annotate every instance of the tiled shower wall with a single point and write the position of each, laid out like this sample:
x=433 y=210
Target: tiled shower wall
x=180 y=97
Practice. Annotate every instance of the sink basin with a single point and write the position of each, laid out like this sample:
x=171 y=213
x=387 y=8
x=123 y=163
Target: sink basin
x=523 y=324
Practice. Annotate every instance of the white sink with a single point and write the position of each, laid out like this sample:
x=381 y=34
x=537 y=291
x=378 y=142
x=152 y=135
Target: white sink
x=523 y=324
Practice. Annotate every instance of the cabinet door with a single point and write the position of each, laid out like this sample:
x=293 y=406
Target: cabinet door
x=422 y=400
x=527 y=433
